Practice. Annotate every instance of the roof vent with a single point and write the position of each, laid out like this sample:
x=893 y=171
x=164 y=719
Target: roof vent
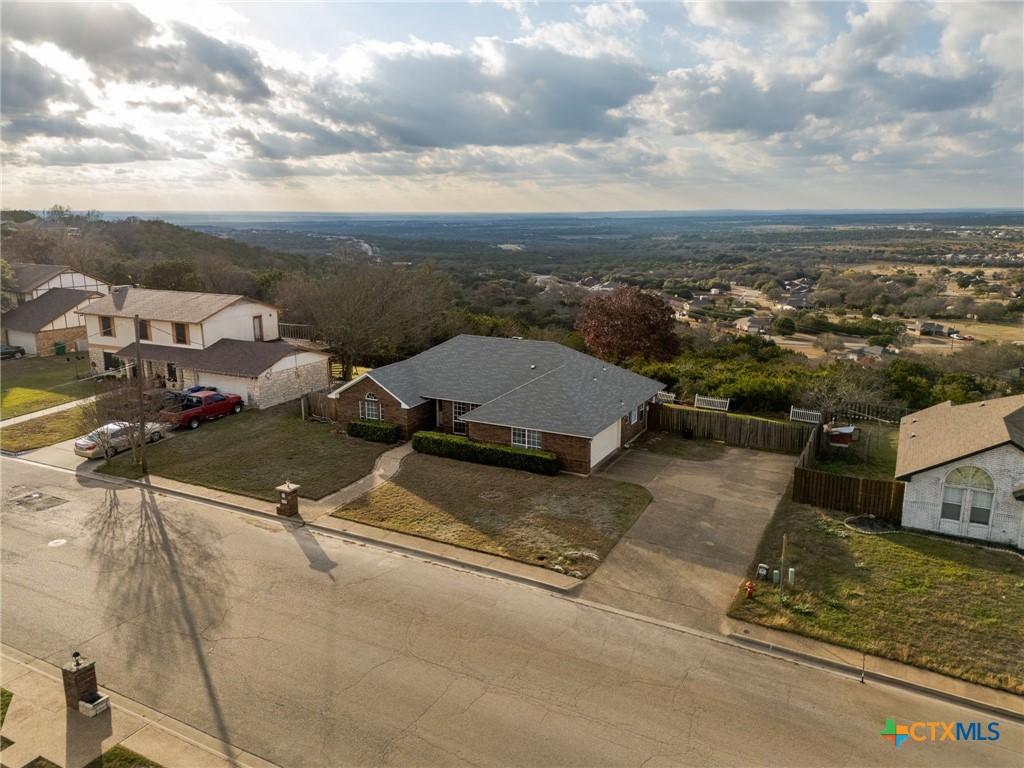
x=982 y=403
x=532 y=367
x=520 y=338
x=913 y=434
x=913 y=421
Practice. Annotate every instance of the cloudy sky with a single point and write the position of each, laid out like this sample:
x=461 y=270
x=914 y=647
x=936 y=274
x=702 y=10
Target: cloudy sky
x=511 y=106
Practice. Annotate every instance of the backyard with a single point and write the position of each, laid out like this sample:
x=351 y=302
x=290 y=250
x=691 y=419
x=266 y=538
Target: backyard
x=873 y=456
x=33 y=383
x=952 y=607
x=255 y=451
x=564 y=521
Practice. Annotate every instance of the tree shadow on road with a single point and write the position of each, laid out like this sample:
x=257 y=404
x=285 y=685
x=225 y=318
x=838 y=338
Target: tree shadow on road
x=164 y=586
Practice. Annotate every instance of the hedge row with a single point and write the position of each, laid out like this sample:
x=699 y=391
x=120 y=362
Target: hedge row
x=374 y=431
x=464 y=449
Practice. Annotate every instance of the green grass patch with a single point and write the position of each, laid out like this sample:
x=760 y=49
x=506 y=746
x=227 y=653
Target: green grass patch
x=872 y=457
x=122 y=757
x=5 y=702
x=253 y=452
x=34 y=383
x=952 y=607
x=40 y=762
x=679 y=447
x=568 y=521
x=47 y=430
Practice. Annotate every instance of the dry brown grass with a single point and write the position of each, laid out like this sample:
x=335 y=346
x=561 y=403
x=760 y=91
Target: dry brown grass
x=949 y=606
x=568 y=521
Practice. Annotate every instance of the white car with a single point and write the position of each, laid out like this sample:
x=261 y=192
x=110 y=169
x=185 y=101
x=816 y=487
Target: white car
x=114 y=437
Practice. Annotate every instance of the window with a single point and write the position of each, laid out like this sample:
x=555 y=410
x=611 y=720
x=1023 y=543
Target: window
x=458 y=411
x=180 y=333
x=106 y=325
x=968 y=490
x=144 y=330
x=633 y=416
x=525 y=438
x=257 y=328
x=370 y=408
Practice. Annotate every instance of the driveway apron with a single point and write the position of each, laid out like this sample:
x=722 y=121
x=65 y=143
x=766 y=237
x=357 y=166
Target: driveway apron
x=684 y=559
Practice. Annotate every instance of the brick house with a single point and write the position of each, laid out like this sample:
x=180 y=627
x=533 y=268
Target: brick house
x=37 y=324
x=532 y=394
x=964 y=469
x=226 y=341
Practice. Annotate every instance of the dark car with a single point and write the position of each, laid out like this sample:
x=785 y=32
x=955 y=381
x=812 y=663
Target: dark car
x=199 y=388
x=6 y=351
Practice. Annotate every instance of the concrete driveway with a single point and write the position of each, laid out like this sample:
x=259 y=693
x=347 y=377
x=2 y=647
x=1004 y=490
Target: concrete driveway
x=683 y=560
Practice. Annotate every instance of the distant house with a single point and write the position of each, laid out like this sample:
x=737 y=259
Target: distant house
x=33 y=280
x=927 y=328
x=39 y=323
x=964 y=469
x=754 y=324
x=531 y=394
x=871 y=352
x=211 y=339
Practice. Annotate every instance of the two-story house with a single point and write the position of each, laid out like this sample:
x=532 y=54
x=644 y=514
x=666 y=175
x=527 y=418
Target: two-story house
x=211 y=339
x=33 y=280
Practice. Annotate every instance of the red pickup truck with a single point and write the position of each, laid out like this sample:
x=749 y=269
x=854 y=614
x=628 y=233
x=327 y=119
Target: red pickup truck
x=202 y=406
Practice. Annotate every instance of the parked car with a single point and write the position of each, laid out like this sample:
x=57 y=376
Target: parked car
x=956 y=336
x=967 y=338
x=199 y=388
x=202 y=406
x=9 y=350
x=114 y=437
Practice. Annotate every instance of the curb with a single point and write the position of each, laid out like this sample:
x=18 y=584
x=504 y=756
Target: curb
x=771 y=649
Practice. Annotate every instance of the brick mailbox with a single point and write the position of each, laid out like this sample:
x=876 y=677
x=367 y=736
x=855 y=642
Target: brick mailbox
x=288 y=499
x=81 y=691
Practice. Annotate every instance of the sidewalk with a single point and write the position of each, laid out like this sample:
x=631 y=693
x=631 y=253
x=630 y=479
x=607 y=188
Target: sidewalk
x=40 y=724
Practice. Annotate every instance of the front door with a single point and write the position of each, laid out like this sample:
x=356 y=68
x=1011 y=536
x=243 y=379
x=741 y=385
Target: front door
x=257 y=327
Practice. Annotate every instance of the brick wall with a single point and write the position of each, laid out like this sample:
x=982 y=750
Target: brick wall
x=409 y=420
x=922 y=499
x=573 y=452
x=283 y=386
x=631 y=431
x=45 y=340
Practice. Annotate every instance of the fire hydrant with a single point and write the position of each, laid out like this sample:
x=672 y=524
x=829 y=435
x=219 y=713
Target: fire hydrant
x=750 y=589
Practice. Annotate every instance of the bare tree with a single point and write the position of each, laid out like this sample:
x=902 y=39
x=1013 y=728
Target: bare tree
x=843 y=385
x=366 y=311
x=118 y=402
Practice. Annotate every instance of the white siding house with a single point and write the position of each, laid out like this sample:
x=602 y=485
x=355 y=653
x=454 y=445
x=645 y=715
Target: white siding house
x=964 y=468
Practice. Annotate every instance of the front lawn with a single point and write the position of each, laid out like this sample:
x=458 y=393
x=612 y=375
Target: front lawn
x=952 y=607
x=568 y=521
x=47 y=430
x=119 y=756
x=34 y=383
x=255 y=451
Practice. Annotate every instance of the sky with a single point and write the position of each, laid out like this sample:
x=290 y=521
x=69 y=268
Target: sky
x=511 y=106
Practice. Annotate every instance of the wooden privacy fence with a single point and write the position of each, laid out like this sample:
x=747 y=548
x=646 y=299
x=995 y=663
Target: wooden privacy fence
x=322 y=406
x=857 y=495
x=759 y=434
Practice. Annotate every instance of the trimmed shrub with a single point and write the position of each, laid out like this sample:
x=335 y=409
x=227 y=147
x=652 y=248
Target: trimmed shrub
x=374 y=431
x=493 y=454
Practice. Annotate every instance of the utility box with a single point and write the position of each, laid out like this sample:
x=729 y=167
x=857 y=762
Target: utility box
x=288 y=499
x=762 y=571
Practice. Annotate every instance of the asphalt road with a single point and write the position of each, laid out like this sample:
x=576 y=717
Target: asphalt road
x=310 y=651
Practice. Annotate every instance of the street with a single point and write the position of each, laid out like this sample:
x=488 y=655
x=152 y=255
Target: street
x=310 y=651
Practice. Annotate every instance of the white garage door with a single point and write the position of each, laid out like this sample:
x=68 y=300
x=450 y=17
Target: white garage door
x=229 y=384
x=23 y=339
x=605 y=443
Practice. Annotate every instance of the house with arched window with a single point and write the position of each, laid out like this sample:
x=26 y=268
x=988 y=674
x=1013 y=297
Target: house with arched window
x=964 y=469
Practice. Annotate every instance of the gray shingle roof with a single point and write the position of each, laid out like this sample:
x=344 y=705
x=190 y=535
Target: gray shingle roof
x=230 y=357
x=946 y=432
x=36 y=313
x=175 y=306
x=531 y=384
x=29 y=276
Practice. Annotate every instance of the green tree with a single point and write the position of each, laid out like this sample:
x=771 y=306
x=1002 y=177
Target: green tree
x=172 y=275
x=784 y=326
x=6 y=285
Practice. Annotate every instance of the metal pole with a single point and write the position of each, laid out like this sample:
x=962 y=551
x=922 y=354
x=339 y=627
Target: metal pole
x=142 y=398
x=782 y=566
